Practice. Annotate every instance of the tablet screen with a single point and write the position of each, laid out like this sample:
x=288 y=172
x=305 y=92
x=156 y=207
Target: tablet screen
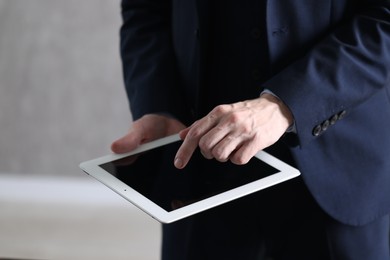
x=153 y=175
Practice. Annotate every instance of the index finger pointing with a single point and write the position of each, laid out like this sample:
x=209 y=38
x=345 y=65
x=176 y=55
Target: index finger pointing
x=192 y=136
x=185 y=152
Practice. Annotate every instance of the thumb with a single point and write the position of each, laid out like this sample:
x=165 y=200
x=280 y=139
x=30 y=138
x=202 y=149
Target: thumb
x=126 y=143
x=183 y=133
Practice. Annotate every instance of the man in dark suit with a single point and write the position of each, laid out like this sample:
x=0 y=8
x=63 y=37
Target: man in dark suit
x=306 y=80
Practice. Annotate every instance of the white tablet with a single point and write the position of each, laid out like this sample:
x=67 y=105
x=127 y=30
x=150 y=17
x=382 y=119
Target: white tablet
x=147 y=178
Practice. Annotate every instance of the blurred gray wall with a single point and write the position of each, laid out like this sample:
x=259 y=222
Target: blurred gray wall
x=62 y=99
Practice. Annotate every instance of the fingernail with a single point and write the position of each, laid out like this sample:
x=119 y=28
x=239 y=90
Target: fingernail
x=178 y=163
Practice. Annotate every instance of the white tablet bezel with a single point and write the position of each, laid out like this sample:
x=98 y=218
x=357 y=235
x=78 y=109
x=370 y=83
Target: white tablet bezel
x=92 y=168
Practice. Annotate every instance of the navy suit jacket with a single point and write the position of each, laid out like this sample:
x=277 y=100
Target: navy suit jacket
x=328 y=60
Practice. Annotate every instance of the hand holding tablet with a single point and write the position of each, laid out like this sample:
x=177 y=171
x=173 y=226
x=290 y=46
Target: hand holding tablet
x=147 y=178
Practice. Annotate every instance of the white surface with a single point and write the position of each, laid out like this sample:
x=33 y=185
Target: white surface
x=63 y=218
x=92 y=167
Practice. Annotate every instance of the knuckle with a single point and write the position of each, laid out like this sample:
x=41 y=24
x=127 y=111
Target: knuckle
x=247 y=129
x=206 y=154
x=239 y=160
x=235 y=116
x=243 y=126
x=204 y=144
x=221 y=159
x=219 y=154
x=194 y=133
x=220 y=109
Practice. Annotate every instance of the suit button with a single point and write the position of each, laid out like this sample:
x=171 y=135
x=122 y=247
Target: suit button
x=333 y=119
x=317 y=130
x=342 y=114
x=325 y=125
x=256 y=33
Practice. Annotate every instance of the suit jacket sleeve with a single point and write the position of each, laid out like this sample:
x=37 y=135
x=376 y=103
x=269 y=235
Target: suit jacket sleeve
x=147 y=56
x=345 y=68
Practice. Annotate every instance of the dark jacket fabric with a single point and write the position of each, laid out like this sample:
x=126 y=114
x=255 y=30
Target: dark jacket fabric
x=328 y=60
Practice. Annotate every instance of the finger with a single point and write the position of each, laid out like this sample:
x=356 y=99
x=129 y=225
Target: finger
x=226 y=147
x=183 y=133
x=190 y=143
x=192 y=136
x=208 y=142
x=243 y=154
x=206 y=155
x=127 y=143
x=185 y=152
